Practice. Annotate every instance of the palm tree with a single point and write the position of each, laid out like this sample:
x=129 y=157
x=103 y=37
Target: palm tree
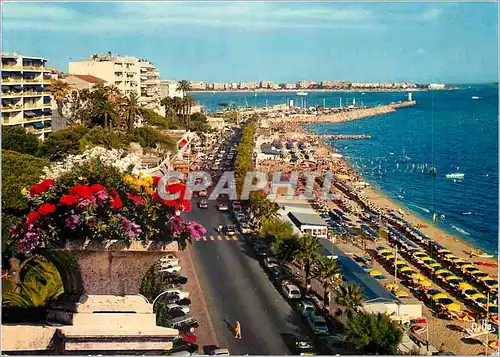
x=373 y=334
x=189 y=102
x=328 y=272
x=104 y=111
x=349 y=296
x=59 y=90
x=170 y=110
x=308 y=253
x=184 y=86
x=41 y=283
x=132 y=110
x=287 y=249
x=178 y=105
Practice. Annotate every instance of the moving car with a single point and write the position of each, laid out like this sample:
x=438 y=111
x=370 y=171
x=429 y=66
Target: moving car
x=303 y=346
x=203 y=204
x=245 y=228
x=223 y=206
x=203 y=193
x=290 y=290
x=270 y=262
x=229 y=230
x=317 y=324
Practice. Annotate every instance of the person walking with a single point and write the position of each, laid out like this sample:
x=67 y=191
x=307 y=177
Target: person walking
x=237 y=330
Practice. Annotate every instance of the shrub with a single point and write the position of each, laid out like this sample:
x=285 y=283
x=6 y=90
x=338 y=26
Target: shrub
x=62 y=143
x=15 y=138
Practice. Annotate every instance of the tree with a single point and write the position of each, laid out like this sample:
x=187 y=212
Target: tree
x=40 y=283
x=188 y=103
x=261 y=209
x=16 y=138
x=308 y=253
x=152 y=285
x=131 y=109
x=349 y=296
x=287 y=249
x=328 y=272
x=184 y=86
x=61 y=143
x=60 y=91
x=276 y=230
x=104 y=111
x=373 y=334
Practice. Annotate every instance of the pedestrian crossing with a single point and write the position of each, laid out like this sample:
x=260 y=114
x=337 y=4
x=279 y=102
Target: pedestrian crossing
x=222 y=238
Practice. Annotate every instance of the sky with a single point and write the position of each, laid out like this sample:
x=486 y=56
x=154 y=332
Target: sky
x=278 y=41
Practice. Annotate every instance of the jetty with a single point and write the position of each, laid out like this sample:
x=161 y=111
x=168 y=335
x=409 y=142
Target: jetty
x=345 y=137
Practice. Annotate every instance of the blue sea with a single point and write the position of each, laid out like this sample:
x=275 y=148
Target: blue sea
x=448 y=130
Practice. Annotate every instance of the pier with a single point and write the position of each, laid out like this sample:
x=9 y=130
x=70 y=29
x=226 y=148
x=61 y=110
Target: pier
x=345 y=137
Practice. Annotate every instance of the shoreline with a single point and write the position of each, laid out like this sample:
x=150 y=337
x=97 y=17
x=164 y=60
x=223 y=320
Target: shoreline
x=319 y=90
x=457 y=244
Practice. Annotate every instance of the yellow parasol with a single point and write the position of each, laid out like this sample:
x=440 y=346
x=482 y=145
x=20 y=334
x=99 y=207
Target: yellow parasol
x=389 y=256
x=433 y=264
x=477 y=296
x=451 y=277
x=404 y=269
x=401 y=293
x=439 y=296
x=382 y=250
x=465 y=286
x=440 y=271
x=425 y=283
x=493 y=344
x=417 y=276
x=426 y=258
x=419 y=253
x=400 y=263
x=465 y=266
x=453 y=306
x=450 y=256
x=375 y=272
x=391 y=286
x=475 y=272
x=443 y=251
x=465 y=317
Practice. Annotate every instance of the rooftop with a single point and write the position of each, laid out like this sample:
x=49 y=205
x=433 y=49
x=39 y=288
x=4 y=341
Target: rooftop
x=89 y=78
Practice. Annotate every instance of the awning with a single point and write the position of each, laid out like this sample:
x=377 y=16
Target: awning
x=30 y=114
x=38 y=125
x=47 y=124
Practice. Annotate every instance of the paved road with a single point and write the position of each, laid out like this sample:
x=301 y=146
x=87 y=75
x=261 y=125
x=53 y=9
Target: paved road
x=237 y=288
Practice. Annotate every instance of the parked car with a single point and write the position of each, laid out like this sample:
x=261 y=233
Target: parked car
x=220 y=352
x=169 y=259
x=260 y=249
x=173 y=278
x=185 y=323
x=245 y=228
x=317 y=324
x=290 y=290
x=236 y=206
x=203 y=204
x=176 y=308
x=223 y=206
x=270 y=262
x=330 y=344
x=178 y=292
x=181 y=347
x=303 y=346
x=240 y=216
x=203 y=193
x=169 y=268
x=229 y=230
x=277 y=274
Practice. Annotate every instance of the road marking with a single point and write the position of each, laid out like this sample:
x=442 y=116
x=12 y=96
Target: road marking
x=235 y=238
x=228 y=238
x=204 y=239
x=219 y=238
x=212 y=238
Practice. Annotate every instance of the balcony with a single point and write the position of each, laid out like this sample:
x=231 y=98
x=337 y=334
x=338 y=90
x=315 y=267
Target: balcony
x=37 y=118
x=32 y=93
x=33 y=106
x=12 y=94
x=32 y=80
x=11 y=68
x=12 y=80
x=11 y=107
x=33 y=68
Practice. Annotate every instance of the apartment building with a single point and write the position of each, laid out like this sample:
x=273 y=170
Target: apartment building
x=306 y=84
x=287 y=85
x=248 y=85
x=170 y=88
x=198 y=85
x=265 y=84
x=26 y=101
x=128 y=74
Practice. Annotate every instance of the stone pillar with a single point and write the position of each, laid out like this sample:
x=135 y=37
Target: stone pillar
x=101 y=307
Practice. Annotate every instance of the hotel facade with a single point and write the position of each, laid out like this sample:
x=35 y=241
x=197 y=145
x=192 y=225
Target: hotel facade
x=128 y=74
x=26 y=100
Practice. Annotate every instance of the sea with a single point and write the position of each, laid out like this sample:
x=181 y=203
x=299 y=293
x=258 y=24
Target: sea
x=451 y=131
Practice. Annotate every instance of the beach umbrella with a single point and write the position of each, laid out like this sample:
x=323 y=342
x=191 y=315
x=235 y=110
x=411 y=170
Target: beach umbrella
x=432 y=264
x=375 y=272
x=432 y=292
x=491 y=283
x=439 y=296
x=479 y=275
x=391 y=286
x=443 y=251
x=419 y=253
x=451 y=257
x=477 y=296
x=440 y=271
x=389 y=256
x=444 y=301
x=404 y=269
x=465 y=317
x=466 y=266
x=451 y=277
x=417 y=276
x=424 y=283
x=493 y=344
x=426 y=258
x=453 y=306
x=401 y=293
x=400 y=263
x=465 y=286
x=445 y=274
x=460 y=262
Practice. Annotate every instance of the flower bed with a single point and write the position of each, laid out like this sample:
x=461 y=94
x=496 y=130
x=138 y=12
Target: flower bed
x=94 y=200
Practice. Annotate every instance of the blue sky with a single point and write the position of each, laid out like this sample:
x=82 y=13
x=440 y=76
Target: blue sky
x=250 y=41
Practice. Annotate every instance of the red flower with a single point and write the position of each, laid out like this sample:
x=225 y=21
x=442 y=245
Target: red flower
x=32 y=217
x=113 y=193
x=46 y=208
x=81 y=191
x=177 y=188
x=39 y=188
x=115 y=202
x=97 y=187
x=68 y=200
x=136 y=198
x=156 y=180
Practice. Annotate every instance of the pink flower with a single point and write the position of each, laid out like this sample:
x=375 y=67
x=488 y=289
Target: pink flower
x=195 y=230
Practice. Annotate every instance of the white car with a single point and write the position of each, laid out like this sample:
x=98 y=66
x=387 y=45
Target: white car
x=169 y=259
x=245 y=228
x=239 y=216
x=223 y=207
x=290 y=290
x=180 y=293
x=169 y=269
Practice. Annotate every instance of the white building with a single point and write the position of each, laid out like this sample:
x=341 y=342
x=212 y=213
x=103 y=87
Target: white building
x=436 y=86
x=26 y=101
x=128 y=74
x=305 y=218
x=170 y=88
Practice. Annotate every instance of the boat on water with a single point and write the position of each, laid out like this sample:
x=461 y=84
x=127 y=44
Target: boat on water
x=301 y=93
x=456 y=175
x=480 y=255
x=474 y=97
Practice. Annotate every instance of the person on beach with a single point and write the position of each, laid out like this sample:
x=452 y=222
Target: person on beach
x=237 y=330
